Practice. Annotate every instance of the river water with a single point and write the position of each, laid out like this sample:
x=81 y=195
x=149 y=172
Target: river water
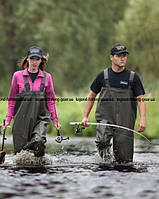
x=77 y=172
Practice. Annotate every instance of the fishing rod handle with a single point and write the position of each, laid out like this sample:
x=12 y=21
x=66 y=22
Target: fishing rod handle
x=75 y=123
x=58 y=132
x=80 y=123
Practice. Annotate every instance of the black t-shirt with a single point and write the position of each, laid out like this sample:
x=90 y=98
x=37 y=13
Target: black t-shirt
x=33 y=76
x=118 y=80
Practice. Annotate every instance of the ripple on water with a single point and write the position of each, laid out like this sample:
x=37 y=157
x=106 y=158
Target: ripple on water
x=99 y=189
x=146 y=193
x=80 y=175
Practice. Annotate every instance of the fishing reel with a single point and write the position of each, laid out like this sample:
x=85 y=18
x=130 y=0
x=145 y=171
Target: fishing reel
x=59 y=138
x=79 y=129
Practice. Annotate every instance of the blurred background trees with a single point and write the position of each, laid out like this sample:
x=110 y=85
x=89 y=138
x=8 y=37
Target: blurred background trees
x=76 y=34
x=139 y=30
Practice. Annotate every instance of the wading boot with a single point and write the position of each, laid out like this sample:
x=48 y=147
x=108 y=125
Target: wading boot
x=38 y=146
x=106 y=156
x=39 y=149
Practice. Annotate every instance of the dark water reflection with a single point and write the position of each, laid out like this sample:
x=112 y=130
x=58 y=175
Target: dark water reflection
x=76 y=172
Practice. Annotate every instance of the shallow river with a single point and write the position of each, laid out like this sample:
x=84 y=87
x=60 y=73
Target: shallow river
x=77 y=172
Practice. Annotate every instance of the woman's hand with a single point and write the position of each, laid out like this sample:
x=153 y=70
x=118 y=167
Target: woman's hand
x=4 y=126
x=57 y=126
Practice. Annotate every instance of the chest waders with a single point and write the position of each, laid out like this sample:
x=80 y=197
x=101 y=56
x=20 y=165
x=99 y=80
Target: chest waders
x=31 y=118
x=116 y=106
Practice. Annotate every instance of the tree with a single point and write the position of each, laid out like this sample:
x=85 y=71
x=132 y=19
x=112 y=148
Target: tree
x=139 y=31
x=76 y=33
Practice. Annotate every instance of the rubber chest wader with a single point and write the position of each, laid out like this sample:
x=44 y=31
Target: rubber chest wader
x=31 y=116
x=116 y=106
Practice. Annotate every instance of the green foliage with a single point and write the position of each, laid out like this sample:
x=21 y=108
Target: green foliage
x=77 y=35
x=139 y=31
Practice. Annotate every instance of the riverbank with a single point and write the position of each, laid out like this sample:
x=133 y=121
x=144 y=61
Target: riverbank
x=70 y=109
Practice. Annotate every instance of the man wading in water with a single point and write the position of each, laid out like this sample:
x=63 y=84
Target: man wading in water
x=120 y=92
x=32 y=103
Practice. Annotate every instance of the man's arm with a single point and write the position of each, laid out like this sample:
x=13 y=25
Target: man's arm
x=88 y=106
x=142 y=112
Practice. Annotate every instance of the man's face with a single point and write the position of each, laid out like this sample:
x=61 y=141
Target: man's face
x=119 y=60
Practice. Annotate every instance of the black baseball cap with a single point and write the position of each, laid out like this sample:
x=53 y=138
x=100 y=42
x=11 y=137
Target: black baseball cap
x=34 y=51
x=118 y=49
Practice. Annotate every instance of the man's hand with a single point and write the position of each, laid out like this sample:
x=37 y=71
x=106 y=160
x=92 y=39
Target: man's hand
x=84 y=121
x=142 y=112
x=88 y=106
x=141 y=126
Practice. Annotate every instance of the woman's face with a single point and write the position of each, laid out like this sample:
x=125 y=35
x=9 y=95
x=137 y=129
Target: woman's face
x=34 y=62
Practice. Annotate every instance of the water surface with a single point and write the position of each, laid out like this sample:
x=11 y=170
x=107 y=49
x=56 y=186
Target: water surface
x=77 y=172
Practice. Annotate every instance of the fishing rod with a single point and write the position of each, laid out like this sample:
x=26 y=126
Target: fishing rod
x=78 y=129
x=59 y=138
x=4 y=138
x=2 y=152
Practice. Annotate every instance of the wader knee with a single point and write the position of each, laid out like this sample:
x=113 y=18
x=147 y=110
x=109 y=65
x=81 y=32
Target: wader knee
x=123 y=146
x=38 y=138
x=37 y=144
x=103 y=138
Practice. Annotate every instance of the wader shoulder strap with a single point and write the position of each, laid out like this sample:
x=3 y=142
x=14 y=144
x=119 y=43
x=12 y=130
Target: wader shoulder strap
x=43 y=82
x=131 y=78
x=106 y=74
x=106 y=78
x=27 y=86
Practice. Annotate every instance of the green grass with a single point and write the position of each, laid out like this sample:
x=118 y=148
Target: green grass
x=73 y=111
x=68 y=111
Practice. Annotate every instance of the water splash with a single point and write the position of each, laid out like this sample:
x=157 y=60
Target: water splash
x=28 y=159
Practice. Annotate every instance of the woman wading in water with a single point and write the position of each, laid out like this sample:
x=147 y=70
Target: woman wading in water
x=30 y=105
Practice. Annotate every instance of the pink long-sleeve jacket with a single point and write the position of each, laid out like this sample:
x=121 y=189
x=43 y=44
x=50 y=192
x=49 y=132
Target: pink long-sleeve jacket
x=18 y=85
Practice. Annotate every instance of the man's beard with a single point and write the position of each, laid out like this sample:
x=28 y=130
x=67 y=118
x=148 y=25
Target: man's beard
x=119 y=66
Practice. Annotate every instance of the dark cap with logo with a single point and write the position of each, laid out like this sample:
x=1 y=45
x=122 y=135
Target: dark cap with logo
x=34 y=51
x=118 y=49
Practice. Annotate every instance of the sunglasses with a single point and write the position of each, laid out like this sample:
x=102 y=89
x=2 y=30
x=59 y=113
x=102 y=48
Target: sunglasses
x=119 y=48
x=35 y=58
